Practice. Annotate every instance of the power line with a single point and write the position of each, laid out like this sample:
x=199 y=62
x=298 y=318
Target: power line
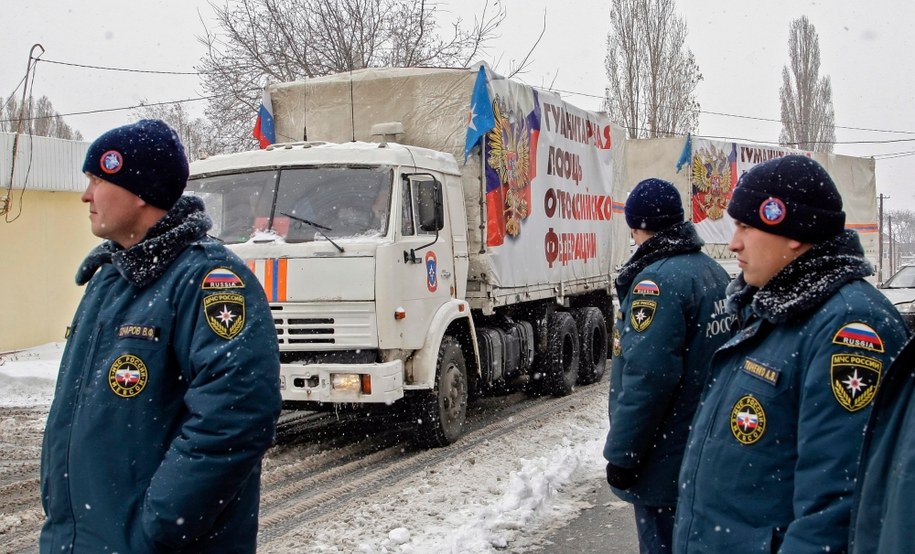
x=587 y=95
x=9 y=98
x=708 y=112
x=893 y=155
x=122 y=69
x=106 y=110
x=754 y=118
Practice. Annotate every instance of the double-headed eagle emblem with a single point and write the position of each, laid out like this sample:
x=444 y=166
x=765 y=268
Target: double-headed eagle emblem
x=510 y=157
x=711 y=181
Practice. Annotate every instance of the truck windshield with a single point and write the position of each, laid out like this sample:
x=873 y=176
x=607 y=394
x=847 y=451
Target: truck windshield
x=336 y=202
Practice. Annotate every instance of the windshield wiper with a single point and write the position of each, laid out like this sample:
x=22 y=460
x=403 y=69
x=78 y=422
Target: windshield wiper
x=317 y=226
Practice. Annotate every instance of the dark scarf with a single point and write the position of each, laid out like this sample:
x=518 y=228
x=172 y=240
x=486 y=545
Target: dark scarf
x=805 y=283
x=672 y=241
x=146 y=261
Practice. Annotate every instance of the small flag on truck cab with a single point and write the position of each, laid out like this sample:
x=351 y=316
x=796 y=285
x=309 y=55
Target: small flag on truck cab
x=264 y=130
x=480 y=118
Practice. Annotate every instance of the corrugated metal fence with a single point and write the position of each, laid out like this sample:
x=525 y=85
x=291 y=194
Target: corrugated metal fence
x=43 y=163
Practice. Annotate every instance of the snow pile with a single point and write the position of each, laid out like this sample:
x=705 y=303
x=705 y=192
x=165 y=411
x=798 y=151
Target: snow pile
x=505 y=495
x=27 y=377
x=530 y=495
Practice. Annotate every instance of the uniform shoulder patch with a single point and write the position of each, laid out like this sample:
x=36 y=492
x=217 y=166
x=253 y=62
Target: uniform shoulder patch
x=853 y=379
x=641 y=314
x=222 y=278
x=225 y=313
x=859 y=335
x=748 y=420
x=648 y=287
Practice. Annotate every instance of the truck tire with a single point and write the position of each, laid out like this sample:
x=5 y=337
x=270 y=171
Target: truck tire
x=440 y=414
x=592 y=334
x=558 y=366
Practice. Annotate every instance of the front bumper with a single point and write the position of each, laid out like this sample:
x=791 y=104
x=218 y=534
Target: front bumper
x=342 y=383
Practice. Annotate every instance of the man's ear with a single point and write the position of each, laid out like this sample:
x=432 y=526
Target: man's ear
x=799 y=247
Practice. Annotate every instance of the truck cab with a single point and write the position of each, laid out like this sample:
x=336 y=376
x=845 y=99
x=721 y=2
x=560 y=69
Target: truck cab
x=361 y=251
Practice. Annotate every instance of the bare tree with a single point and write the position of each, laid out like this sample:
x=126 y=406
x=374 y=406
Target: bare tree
x=196 y=134
x=39 y=118
x=9 y=114
x=903 y=230
x=652 y=73
x=808 y=119
x=265 y=41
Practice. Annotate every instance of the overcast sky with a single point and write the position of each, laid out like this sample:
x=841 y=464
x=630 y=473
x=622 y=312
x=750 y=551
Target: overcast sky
x=741 y=48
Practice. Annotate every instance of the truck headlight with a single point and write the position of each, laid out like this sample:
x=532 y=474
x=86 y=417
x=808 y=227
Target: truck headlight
x=349 y=382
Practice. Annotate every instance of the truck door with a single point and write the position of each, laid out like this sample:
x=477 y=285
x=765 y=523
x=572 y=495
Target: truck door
x=424 y=274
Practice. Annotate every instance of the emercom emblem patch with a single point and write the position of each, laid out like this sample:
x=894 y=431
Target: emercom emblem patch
x=748 y=420
x=854 y=379
x=225 y=313
x=128 y=376
x=642 y=314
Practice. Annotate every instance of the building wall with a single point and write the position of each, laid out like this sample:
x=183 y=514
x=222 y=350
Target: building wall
x=40 y=251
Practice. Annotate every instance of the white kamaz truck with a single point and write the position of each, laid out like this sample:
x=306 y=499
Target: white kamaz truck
x=400 y=273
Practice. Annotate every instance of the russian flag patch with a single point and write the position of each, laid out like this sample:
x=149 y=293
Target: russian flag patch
x=221 y=279
x=859 y=335
x=647 y=287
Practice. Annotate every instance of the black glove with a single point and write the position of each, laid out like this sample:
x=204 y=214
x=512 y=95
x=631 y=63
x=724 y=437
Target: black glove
x=621 y=477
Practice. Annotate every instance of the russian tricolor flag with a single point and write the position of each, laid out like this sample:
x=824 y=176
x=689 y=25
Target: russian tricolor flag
x=647 y=287
x=264 y=130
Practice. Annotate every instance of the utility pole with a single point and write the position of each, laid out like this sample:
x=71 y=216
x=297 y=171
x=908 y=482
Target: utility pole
x=881 y=198
x=6 y=199
x=891 y=245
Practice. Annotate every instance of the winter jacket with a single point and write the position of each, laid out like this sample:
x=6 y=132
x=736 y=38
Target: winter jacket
x=166 y=400
x=885 y=496
x=773 y=452
x=672 y=318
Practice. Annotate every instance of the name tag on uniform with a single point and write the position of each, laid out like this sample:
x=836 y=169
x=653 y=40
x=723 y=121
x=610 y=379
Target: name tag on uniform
x=129 y=331
x=761 y=371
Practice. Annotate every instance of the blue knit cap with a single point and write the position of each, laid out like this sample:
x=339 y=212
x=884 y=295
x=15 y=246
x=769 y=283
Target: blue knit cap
x=792 y=196
x=146 y=158
x=653 y=204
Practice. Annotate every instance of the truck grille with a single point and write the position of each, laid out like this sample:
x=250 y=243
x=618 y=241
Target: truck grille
x=325 y=325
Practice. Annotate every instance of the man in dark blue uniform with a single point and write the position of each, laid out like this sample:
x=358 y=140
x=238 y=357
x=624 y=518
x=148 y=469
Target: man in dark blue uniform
x=773 y=450
x=672 y=319
x=168 y=390
x=885 y=495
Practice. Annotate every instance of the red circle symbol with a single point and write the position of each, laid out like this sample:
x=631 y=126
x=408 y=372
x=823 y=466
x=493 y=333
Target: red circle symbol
x=111 y=162
x=772 y=211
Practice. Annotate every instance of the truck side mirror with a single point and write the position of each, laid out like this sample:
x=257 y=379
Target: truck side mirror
x=431 y=206
x=430 y=209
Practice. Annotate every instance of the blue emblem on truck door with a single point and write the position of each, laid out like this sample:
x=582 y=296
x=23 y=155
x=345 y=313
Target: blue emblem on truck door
x=431 y=271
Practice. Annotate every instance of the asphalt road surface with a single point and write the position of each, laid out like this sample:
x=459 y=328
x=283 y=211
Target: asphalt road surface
x=607 y=528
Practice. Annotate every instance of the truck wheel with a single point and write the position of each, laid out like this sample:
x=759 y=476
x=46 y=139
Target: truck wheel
x=440 y=414
x=592 y=334
x=558 y=366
